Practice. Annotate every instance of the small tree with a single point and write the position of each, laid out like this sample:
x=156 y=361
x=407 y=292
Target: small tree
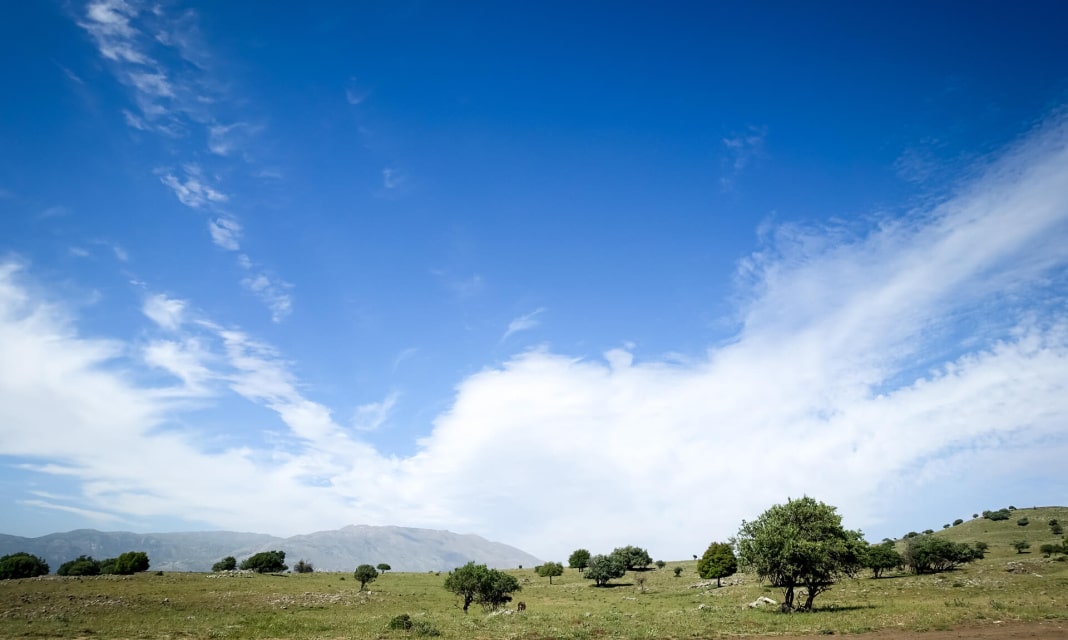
x=476 y=583
x=930 y=554
x=580 y=559
x=383 y=567
x=303 y=566
x=717 y=562
x=1021 y=546
x=22 y=565
x=1023 y=522
x=1056 y=529
x=549 y=570
x=365 y=573
x=660 y=564
x=800 y=544
x=266 y=562
x=603 y=568
x=229 y=563
x=678 y=571
x=880 y=557
x=980 y=549
x=958 y=521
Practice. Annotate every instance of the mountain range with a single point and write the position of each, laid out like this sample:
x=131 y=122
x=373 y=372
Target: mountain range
x=404 y=549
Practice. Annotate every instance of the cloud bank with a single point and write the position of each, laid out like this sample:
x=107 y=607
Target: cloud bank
x=870 y=366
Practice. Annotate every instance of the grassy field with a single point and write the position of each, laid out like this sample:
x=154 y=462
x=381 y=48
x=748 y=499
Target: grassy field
x=327 y=605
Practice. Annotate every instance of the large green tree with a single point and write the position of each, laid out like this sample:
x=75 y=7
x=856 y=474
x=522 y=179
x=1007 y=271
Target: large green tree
x=265 y=562
x=880 y=557
x=477 y=583
x=934 y=554
x=130 y=562
x=22 y=565
x=800 y=544
x=549 y=570
x=633 y=558
x=602 y=568
x=717 y=562
x=579 y=559
x=80 y=566
x=229 y=563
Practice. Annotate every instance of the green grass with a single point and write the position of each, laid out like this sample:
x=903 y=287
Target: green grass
x=179 y=605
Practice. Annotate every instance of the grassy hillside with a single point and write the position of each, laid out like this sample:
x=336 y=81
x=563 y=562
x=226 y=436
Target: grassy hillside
x=1001 y=534
x=329 y=605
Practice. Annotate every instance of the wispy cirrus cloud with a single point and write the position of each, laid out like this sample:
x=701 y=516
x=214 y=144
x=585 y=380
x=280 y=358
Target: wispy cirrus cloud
x=524 y=322
x=192 y=188
x=740 y=151
x=225 y=233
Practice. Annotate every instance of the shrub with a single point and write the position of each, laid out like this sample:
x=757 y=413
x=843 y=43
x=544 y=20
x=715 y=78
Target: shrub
x=1023 y=522
x=80 y=566
x=129 y=563
x=303 y=567
x=946 y=526
x=660 y=564
x=229 y=563
x=958 y=521
x=1000 y=514
x=424 y=628
x=1056 y=529
x=266 y=562
x=1050 y=549
x=403 y=622
x=678 y=571
x=975 y=515
x=980 y=549
x=928 y=532
x=1053 y=522
x=22 y=565
x=1021 y=546
x=911 y=534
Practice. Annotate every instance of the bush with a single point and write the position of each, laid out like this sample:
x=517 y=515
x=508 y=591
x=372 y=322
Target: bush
x=424 y=628
x=1056 y=529
x=80 y=566
x=229 y=563
x=1050 y=549
x=928 y=532
x=303 y=567
x=266 y=562
x=127 y=563
x=1023 y=522
x=678 y=571
x=958 y=521
x=911 y=534
x=22 y=565
x=1021 y=546
x=403 y=622
x=660 y=564
x=1000 y=514
x=980 y=549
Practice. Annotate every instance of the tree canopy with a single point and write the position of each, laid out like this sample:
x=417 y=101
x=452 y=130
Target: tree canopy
x=579 y=559
x=717 y=562
x=549 y=570
x=22 y=565
x=365 y=573
x=800 y=544
x=633 y=558
x=476 y=583
x=933 y=554
x=602 y=568
x=129 y=563
x=384 y=567
x=80 y=566
x=229 y=563
x=266 y=562
x=880 y=557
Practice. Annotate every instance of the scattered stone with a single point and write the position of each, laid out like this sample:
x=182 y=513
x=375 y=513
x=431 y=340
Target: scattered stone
x=761 y=601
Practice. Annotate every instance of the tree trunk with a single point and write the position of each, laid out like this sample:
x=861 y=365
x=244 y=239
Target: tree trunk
x=717 y=582
x=788 y=599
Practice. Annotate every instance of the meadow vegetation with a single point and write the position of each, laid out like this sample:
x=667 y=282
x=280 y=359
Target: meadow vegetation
x=1000 y=588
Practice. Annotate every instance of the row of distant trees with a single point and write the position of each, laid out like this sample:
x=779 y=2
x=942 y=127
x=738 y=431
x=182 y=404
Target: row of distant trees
x=25 y=565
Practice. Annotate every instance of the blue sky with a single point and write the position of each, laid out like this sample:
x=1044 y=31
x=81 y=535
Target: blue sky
x=504 y=269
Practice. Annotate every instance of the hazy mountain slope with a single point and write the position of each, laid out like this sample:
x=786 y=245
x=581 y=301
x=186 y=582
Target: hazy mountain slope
x=402 y=548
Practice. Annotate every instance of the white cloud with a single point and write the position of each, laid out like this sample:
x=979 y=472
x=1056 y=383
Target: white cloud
x=166 y=312
x=392 y=178
x=193 y=192
x=741 y=150
x=523 y=323
x=273 y=292
x=225 y=233
x=371 y=416
x=871 y=370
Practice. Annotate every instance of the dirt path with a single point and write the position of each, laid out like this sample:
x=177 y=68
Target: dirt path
x=1047 y=630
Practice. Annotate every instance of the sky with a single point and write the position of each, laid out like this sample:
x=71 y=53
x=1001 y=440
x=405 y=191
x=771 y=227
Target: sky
x=554 y=275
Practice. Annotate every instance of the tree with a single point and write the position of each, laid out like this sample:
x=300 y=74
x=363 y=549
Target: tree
x=603 y=568
x=579 y=559
x=958 y=521
x=229 y=563
x=1023 y=522
x=1021 y=546
x=633 y=558
x=127 y=563
x=717 y=562
x=383 y=567
x=930 y=554
x=660 y=564
x=980 y=549
x=22 y=565
x=549 y=570
x=800 y=544
x=476 y=583
x=266 y=562
x=80 y=566
x=303 y=566
x=678 y=571
x=880 y=557
x=365 y=573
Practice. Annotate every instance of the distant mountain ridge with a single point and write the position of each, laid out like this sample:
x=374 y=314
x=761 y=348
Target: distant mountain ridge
x=404 y=549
